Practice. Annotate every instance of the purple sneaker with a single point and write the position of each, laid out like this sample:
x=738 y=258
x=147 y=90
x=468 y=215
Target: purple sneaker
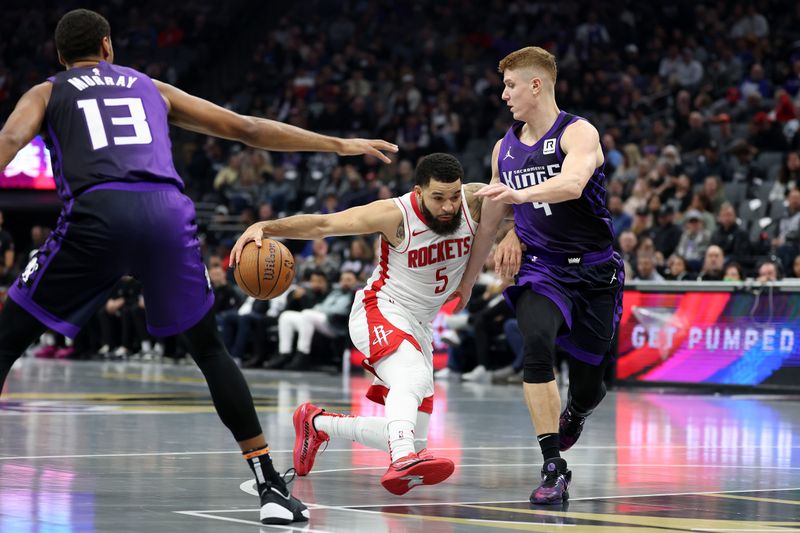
x=570 y=426
x=555 y=482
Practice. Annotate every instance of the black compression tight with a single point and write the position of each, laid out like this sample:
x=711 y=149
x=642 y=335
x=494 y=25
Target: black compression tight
x=18 y=329
x=229 y=390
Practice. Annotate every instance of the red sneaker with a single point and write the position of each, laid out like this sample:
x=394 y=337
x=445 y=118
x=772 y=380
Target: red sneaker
x=412 y=470
x=307 y=439
x=425 y=454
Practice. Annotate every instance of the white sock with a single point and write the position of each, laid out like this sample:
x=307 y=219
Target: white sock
x=368 y=430
x=421 y=431
x=401 y=412
x=401 y=438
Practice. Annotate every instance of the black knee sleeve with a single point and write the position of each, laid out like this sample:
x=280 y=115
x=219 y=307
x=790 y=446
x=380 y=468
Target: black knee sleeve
x=227 y=385
x=18 y=329
x=586 y=386
x=539 y=321
x=537 y=366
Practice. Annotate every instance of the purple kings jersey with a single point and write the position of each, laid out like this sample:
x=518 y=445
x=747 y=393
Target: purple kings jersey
x=573 y=227
x=107 y=124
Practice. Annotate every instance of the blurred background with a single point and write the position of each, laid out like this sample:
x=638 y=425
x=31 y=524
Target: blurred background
x=696 y=104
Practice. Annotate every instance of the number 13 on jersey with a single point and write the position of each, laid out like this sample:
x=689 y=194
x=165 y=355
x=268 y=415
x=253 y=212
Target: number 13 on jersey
x=135 y=118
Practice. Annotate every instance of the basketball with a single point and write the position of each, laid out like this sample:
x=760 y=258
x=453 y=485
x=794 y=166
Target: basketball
x=265 y=272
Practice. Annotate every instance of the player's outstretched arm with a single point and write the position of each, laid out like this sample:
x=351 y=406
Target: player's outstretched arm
x=24 y=122
x=195 y=114
x=581 y=144
x=382 y=216
x=492 y=214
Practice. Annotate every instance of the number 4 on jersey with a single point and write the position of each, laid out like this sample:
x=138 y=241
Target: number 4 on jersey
x=543 y=205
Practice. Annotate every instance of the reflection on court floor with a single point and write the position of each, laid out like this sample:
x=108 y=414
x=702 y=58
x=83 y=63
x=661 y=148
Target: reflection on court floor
x=137 y=447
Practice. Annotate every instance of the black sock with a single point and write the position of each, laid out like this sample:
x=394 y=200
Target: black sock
x=260 y=463
x=548 y=442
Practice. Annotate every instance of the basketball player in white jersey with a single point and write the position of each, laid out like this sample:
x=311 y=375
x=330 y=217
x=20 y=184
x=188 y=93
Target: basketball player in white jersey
x=426 y=236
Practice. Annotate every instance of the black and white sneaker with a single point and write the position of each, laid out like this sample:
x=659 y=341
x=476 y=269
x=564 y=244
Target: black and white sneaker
x=278 y=506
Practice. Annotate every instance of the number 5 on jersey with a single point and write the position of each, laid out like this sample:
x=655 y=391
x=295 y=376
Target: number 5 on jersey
x=442 y=278
x=135 y=118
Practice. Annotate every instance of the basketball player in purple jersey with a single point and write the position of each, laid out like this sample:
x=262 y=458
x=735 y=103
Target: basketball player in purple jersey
x=549 y=166
x=107 y=128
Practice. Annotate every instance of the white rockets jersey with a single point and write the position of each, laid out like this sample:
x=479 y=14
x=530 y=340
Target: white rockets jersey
x=423 y=270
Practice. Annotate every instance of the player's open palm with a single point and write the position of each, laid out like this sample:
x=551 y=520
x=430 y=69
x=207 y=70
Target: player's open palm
x=254 y=233
x=375 y=147
x=501 y=193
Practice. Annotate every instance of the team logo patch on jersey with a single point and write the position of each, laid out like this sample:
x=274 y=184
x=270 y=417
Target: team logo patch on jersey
x=30 y=271
x=549 y=146
x=381 y=335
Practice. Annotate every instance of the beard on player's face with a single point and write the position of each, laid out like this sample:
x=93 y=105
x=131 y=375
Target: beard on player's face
x=443 y=223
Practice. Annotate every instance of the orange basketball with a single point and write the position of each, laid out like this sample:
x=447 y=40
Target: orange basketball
x=265 y=272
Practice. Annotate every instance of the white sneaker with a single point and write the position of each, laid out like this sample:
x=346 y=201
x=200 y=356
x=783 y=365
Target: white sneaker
x=478 y=375
x=445 y=373
x=450 y=337
x=121 y=352
x=104 y=349
x=458 y=321
x=503 y=373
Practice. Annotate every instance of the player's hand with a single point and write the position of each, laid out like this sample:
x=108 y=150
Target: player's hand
x=462 y=292
x=502 y=193
x=508 y=255
x=254 y=233
x=374 y=147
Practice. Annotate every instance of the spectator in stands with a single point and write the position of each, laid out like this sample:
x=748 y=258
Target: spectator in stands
x=713 y=265
x=638 y=197
x=628 y=242
x=620 y=220
x=733 y=272
x=614 y=157
x=677 y=269
x=360 y=258
x=789 y=175
x=787 y=243
x=319 y=260
x=226 y=297
x=278 y=191
x=688 y=71
x=765 y=134
x=756 y=83
x=646 y=268
x=229 y=174
x=697 y=138
x=732 y=239
x=642 y=222
x=6 y=250
x=712 y=189
x=677 y=193
x=710 y=163
x=694 y=240
x=115 y=320
x=628 y=170
x=329 y=318
x=666 y=235
x=769 y=271
x=750 y=23
x=795 y=270
x=304 y=296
